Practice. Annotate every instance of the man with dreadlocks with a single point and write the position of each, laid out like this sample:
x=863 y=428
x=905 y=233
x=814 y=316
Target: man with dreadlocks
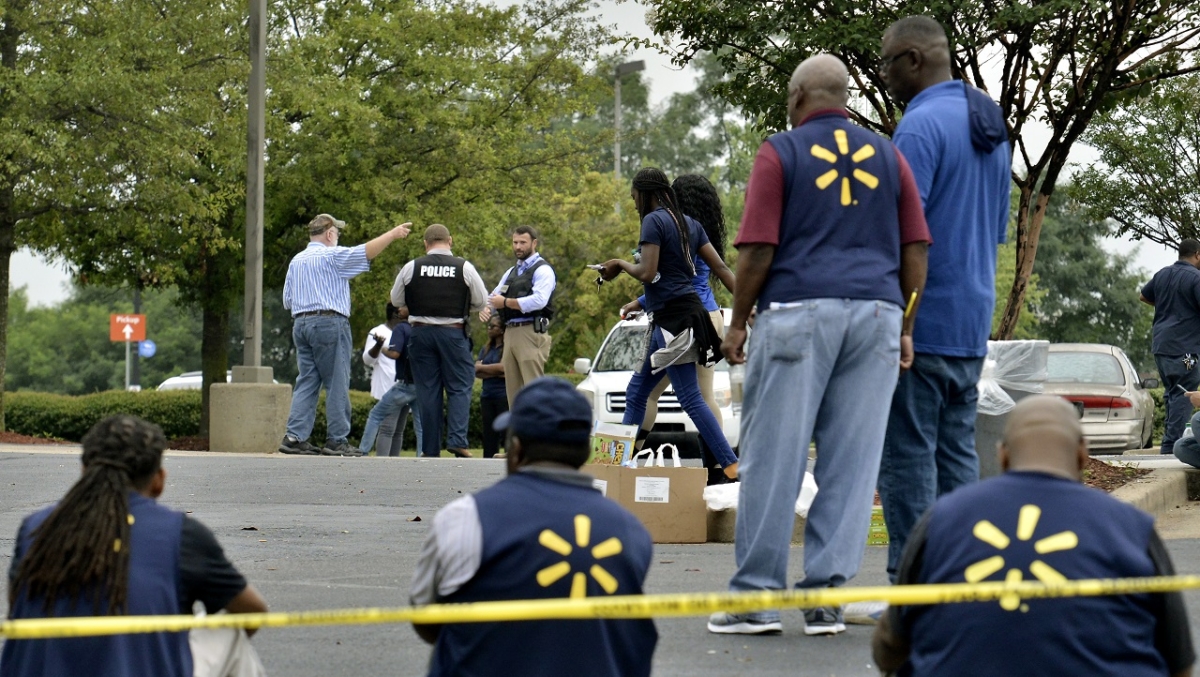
x=682 y=335
x=109 y=549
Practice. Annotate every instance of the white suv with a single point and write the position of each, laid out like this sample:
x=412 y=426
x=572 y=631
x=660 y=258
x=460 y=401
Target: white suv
x=608 y=376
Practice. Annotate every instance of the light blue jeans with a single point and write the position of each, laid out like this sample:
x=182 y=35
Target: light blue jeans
x=323 y=350
x=821 y=370
x=394 y=402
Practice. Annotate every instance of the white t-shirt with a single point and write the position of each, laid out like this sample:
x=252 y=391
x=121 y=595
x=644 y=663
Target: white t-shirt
x=383 y=368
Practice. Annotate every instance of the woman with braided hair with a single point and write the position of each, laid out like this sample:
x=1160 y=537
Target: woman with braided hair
x=682 y=335
x=109 y=549
x=698 y=199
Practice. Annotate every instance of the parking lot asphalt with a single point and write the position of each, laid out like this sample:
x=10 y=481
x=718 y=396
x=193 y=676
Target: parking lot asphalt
x=323 y=533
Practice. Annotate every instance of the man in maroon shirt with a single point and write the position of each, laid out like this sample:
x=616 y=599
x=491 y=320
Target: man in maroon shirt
x=832 y=249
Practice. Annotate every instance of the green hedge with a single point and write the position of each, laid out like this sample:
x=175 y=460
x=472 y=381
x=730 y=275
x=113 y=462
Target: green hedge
x=177 y=412
x=70 y=417
x=1160 y=416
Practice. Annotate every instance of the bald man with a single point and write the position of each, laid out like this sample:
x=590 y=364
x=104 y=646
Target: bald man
x=441 y=291
x=832 y=246
x=1036 y=522
x=956 y=140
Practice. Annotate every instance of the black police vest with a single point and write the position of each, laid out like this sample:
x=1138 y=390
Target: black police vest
x=438 y=288
x=520 y=286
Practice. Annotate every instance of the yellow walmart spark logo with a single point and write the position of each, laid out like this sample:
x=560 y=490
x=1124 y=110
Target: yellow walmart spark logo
x=843 y=145
x=1027 y=522
x=583 y=536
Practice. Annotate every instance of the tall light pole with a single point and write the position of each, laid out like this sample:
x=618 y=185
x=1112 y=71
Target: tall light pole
x=252 y=370
x=622 y=69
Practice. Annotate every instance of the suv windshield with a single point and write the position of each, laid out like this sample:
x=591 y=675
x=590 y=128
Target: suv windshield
x=625 y=349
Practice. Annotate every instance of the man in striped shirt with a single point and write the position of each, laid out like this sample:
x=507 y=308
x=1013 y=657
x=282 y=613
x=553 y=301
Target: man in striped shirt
x=317 y=293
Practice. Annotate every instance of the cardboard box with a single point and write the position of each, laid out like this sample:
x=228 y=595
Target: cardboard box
x=612 y=443
x=668 y=501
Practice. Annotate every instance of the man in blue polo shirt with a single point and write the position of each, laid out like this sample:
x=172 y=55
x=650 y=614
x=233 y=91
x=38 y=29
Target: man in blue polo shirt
x=1174 y=292
x=1037 y=521
x=543 y=532
x=831 y=248
x=955 y=138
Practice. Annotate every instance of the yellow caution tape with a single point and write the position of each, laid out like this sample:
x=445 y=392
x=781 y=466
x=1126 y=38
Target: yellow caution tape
x=628 y=606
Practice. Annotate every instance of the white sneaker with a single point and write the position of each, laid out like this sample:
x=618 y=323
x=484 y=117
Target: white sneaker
x=723 y=623
x=864 y=613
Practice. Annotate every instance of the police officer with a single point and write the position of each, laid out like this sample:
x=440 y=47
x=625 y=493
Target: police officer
x=440 y=291
x=523 y=299
x=543 y=532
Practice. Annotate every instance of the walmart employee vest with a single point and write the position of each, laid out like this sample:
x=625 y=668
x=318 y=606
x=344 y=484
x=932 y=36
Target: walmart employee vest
x=520 y=286
x=543 y=538
x=438 y=288
x=840 y=232
x=153 y=590
x=1042 y=528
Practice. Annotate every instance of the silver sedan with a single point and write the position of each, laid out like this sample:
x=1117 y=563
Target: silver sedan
x=1116 y=411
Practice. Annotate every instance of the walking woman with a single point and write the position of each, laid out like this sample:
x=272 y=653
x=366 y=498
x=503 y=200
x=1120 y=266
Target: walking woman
x=698 y=199
x=682 y=335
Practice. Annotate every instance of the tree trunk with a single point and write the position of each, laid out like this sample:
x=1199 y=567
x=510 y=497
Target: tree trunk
x=7 y=238
x=214 y=343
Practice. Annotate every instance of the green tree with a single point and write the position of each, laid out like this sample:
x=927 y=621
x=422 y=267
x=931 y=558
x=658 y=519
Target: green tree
x=76 y=81
x=1059 y=65
x=1089 y=295
x=66 y=348
x=1148 y=177
x=447 y=113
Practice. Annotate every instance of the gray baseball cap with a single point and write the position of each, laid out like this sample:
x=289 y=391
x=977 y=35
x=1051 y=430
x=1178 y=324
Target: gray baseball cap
x=324 y=222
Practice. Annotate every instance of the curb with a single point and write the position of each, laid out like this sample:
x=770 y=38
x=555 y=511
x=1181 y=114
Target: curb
x=1156 y=493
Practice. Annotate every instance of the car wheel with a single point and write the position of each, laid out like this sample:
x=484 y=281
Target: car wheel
x=1149 y=435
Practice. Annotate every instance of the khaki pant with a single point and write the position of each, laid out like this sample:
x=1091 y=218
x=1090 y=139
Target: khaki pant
x=525 y=355
x=703 y=374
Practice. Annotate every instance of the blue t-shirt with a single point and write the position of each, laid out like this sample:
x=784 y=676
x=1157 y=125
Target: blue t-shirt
x=493 y=387
x=1175 y=293
x=966 y=197
x=700 y=284
x=674 y=274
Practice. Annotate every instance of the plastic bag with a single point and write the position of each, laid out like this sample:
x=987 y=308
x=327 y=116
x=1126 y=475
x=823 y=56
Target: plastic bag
x=657 y=458
x=725 y=496
x=720 y=497
x=1019 y=365
x=993 y=401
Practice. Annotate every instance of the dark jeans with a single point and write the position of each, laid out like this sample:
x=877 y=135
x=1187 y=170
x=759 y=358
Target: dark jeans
x=441 y=359
x=929 y=449
x=490 y=408
x=1174 y=372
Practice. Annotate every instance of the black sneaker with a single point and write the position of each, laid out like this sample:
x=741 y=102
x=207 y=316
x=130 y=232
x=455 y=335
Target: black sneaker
x=341 y=449
x=291 y=445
